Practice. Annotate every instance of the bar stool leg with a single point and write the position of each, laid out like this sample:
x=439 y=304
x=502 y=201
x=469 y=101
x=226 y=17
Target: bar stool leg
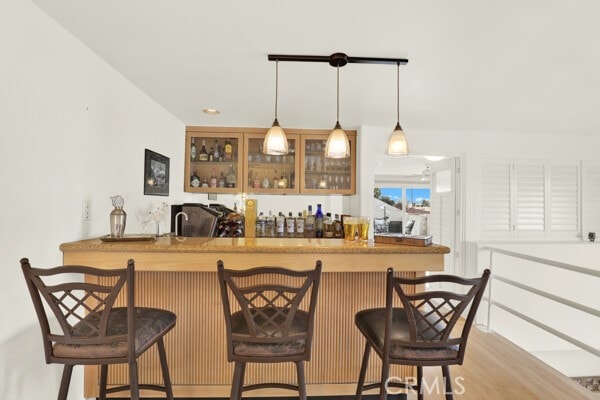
x=301 y=380
x=162 y=354
x=133 y=381
x=65 y=381
x=363 y=371
x=419 y=382
x=237 y=385
x=103 y=379
x=448 y=382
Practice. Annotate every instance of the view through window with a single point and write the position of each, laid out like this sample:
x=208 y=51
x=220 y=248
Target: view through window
x=401 y=210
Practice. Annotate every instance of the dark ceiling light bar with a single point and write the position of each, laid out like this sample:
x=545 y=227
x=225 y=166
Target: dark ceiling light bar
x=338 y=59
x=338 y=145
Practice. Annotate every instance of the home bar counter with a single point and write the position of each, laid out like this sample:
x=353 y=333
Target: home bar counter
x=179 y=274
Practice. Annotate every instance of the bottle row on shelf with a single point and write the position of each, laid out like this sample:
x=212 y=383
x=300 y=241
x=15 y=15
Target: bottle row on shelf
x=224 y=180
x=226 y=152
x=284 y=181
x=305 y=225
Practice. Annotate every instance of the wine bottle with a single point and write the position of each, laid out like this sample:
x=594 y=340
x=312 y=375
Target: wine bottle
x=228 y=150
x=337 y=227
x=213 y=179
x=309 y=225
x=195 y=180
x=231 y=177
x=319 y=222
x=299 y=225
x=193 y=151
x=211 y=155
x=203 y=156
x=222 y=183
x=280 y=225
x=290 y=225
x=216 y=151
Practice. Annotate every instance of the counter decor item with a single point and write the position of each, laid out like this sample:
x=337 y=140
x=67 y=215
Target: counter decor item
x=156 y=174
x=399 y=238
x=118 y=217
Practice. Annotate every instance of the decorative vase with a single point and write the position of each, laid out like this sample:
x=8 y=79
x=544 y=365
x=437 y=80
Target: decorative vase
x=118 y=218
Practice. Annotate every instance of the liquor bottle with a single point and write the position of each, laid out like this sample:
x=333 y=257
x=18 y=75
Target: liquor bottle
x=211 y=155
x=319 y=222
x=204 y=182
x=338 y=230
x=328 y=226
x=222 y=183
x=221 y=152
x=283 y=181
x=309 y=225
x=203 y=156
x=195 y=181
x=228 y=150
x=193 y=152
x=290 y=225
x=213 y=179
x=256 y=183
x=265 y=182
x=300 y=225
x=275 y=182
x=280 y=225
x=231 y=177
x=261 y=225
x=292 y=180
x=270 y=227
x=216 y=151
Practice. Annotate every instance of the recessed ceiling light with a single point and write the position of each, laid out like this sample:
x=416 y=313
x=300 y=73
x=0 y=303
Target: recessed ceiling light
x=434 y=158
x=211 y=111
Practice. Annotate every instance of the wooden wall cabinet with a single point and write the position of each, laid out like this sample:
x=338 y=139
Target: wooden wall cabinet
x=304 y=170
x=323 y=175
x=269 y=174
x=227 y=168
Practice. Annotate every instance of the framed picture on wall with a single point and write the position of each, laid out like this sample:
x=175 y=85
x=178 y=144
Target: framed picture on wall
x=156 y=174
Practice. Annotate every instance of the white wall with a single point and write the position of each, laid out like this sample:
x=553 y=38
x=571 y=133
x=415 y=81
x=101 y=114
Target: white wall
x=71 y=129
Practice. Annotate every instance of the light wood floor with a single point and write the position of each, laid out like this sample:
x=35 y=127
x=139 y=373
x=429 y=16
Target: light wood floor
x=494 y=368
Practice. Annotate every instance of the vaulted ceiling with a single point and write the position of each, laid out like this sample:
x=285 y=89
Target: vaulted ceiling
x=503 y=66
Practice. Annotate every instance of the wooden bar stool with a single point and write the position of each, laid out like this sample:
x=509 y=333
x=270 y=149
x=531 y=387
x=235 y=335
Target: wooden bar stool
x=92 y=331
x=419 y=333
x=269 y=324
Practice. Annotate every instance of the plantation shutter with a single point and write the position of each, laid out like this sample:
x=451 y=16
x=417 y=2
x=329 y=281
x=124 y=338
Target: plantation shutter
x=564 y=199
x=496 y=198
x=530 y=195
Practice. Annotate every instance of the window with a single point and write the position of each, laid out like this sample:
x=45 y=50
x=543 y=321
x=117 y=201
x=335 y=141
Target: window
x=530 y=198
x=401 y=210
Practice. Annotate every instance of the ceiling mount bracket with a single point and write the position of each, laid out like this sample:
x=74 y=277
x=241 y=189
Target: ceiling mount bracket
x=338 y=59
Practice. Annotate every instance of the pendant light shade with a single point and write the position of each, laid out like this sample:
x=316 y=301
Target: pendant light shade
x=397 y=144
x=337 y=145
x=275 y=141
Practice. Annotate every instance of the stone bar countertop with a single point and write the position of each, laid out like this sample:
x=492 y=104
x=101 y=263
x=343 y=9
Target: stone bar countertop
x=170 y=253
x=174 y=244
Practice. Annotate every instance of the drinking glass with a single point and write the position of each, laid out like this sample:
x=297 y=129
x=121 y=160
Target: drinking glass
x=363 y=229
x=349 y=228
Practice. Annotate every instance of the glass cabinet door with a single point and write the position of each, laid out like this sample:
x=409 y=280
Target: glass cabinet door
x=270 y=174
x=324 y=175
x=213 y=162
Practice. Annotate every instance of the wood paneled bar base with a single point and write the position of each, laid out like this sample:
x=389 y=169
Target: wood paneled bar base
x=179 y=274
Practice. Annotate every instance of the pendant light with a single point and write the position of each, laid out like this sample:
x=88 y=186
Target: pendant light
x=275 y=141
x=397 y=144
x=337 y=143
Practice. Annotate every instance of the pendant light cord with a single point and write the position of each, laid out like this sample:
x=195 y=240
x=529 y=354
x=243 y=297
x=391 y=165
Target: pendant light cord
x=338 y=93
x=276 y=85
x=398 y=94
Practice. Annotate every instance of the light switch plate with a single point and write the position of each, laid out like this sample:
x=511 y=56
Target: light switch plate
x=87 y=210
